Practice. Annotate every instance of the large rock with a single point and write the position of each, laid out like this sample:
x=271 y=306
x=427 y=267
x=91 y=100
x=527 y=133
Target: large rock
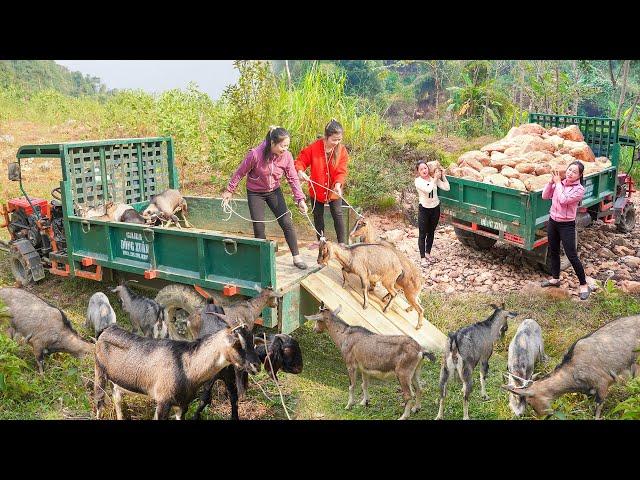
x=631 y=261
x=526 y=129
x=517 y=184
x=509 y=172
x=476 y=155
x=499 y=146
x=630 y=286
x=583 y=153
x=572 y=132
x=489 y=170
x=393 y=236
x=497 y=179
x=471 y=174
x=529 y=168
x=534 y=184
x=538 y=145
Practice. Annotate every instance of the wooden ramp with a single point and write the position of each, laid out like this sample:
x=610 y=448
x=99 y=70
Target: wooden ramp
x=326 y=286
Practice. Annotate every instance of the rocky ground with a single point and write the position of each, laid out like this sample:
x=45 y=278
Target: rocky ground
x=602 y=249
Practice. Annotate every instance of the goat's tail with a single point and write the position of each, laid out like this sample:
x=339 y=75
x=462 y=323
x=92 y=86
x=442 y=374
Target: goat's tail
x=454 y=348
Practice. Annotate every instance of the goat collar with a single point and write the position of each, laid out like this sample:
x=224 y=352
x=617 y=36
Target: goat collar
x=242 y=325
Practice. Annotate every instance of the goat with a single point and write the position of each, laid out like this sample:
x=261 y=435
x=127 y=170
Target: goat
x=364 y=231
x=590 y=366
x=411 y=280
x=44 y=326
x=526 y=348
x=369 y=262
x=147 y=315
x=213 y=318
x=169 y=371
x=243 y=311
x=99 y=313
x=374 y=355
x=466 y=348
x=165 y=206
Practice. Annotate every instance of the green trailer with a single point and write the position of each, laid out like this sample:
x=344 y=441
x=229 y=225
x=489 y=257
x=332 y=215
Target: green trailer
x=482 y=214
x=217 y=258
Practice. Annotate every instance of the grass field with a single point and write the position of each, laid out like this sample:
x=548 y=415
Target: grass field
x=320 y=391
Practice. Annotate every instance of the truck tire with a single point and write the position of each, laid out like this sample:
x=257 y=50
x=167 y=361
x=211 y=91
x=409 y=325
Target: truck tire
x=180 y=302
x=19 y=268
x=473 y=240
x=627 y=219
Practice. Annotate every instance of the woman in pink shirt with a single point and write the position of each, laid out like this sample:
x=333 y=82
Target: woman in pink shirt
x=264 y=166
x=565 y=197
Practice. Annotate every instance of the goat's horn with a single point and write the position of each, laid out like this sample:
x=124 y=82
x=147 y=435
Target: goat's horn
x=337 y=310
x=317 y=316
x=516 y=391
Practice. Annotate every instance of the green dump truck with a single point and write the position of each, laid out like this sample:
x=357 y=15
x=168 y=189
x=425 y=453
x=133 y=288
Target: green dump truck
x=216 y=258
x=482 y=214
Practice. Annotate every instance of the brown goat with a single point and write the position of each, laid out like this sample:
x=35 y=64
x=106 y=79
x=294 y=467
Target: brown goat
x=42 y=325
x=241 y=312
x=590 y=366
x=169 y=371
x=374 y=355
x=370 y=262
x=411 y=282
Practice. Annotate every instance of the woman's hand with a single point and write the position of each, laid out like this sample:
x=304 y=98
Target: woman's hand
x=226 y=196
x=302 y=207
x=437 y=175
x=338 y=189
x=303 y=176
x=555 y=176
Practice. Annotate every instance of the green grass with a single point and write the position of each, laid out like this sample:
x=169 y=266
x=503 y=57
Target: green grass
x=321 y=390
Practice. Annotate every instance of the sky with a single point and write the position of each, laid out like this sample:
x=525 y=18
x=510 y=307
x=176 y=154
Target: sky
x=212 y=76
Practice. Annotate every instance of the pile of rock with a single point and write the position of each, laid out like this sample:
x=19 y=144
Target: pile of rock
x=525 y=158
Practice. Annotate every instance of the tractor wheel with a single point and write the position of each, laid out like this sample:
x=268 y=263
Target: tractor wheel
x=627 y=219
x=180 y=302
x=20 y=267
x=473 y=240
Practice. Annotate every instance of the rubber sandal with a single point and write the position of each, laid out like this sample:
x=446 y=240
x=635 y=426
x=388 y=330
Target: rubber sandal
x=300 y=265
x=547 y=283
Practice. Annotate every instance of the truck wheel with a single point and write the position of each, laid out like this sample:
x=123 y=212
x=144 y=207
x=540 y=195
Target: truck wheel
x=627 y=219
x=473 y=240
x=180 y=302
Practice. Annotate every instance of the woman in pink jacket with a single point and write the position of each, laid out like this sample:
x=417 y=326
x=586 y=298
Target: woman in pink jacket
x=565 y=197
x=264 y=166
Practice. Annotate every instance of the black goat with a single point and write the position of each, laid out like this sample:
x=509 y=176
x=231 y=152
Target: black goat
x=282 y=352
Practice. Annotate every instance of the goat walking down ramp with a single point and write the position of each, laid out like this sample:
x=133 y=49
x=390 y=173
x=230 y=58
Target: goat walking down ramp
x=326 y=286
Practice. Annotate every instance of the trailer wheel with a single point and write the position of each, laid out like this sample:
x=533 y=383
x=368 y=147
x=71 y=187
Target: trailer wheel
x=180 y=302
x=473 y=240
x=627 y=219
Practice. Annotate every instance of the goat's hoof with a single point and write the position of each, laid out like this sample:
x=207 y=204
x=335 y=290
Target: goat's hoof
x=439 y=417
x=403 y=417
x=415 y=409
x=466 y=418
x=485 y=397
x=348 y=407
x=364 y=403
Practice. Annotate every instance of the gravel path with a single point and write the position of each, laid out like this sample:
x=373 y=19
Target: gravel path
x=601 y=248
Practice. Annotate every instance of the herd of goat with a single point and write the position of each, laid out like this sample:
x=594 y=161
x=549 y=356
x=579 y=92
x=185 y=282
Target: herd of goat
x=174 y=372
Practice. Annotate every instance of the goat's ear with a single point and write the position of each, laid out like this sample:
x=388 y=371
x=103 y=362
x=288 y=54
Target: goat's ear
x=536 y=375
x=523 y=392
x=258 y=340
x=513 y=314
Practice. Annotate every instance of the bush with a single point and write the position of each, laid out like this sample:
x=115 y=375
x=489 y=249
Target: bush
x=13 y=384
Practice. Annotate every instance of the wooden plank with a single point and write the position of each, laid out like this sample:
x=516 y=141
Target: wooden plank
x=326 y=286
x=288 y=275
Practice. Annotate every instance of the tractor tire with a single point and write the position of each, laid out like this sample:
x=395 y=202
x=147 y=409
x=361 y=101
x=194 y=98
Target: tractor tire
x=180 y=302
x=19 y=267
x=473 y=240
x=627 y=219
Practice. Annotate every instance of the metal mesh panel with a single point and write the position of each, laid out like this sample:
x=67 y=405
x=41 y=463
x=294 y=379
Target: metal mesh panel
x=600 y=133
x=134 y=171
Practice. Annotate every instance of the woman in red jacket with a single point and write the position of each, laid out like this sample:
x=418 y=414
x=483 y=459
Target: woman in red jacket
x=328 y=160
